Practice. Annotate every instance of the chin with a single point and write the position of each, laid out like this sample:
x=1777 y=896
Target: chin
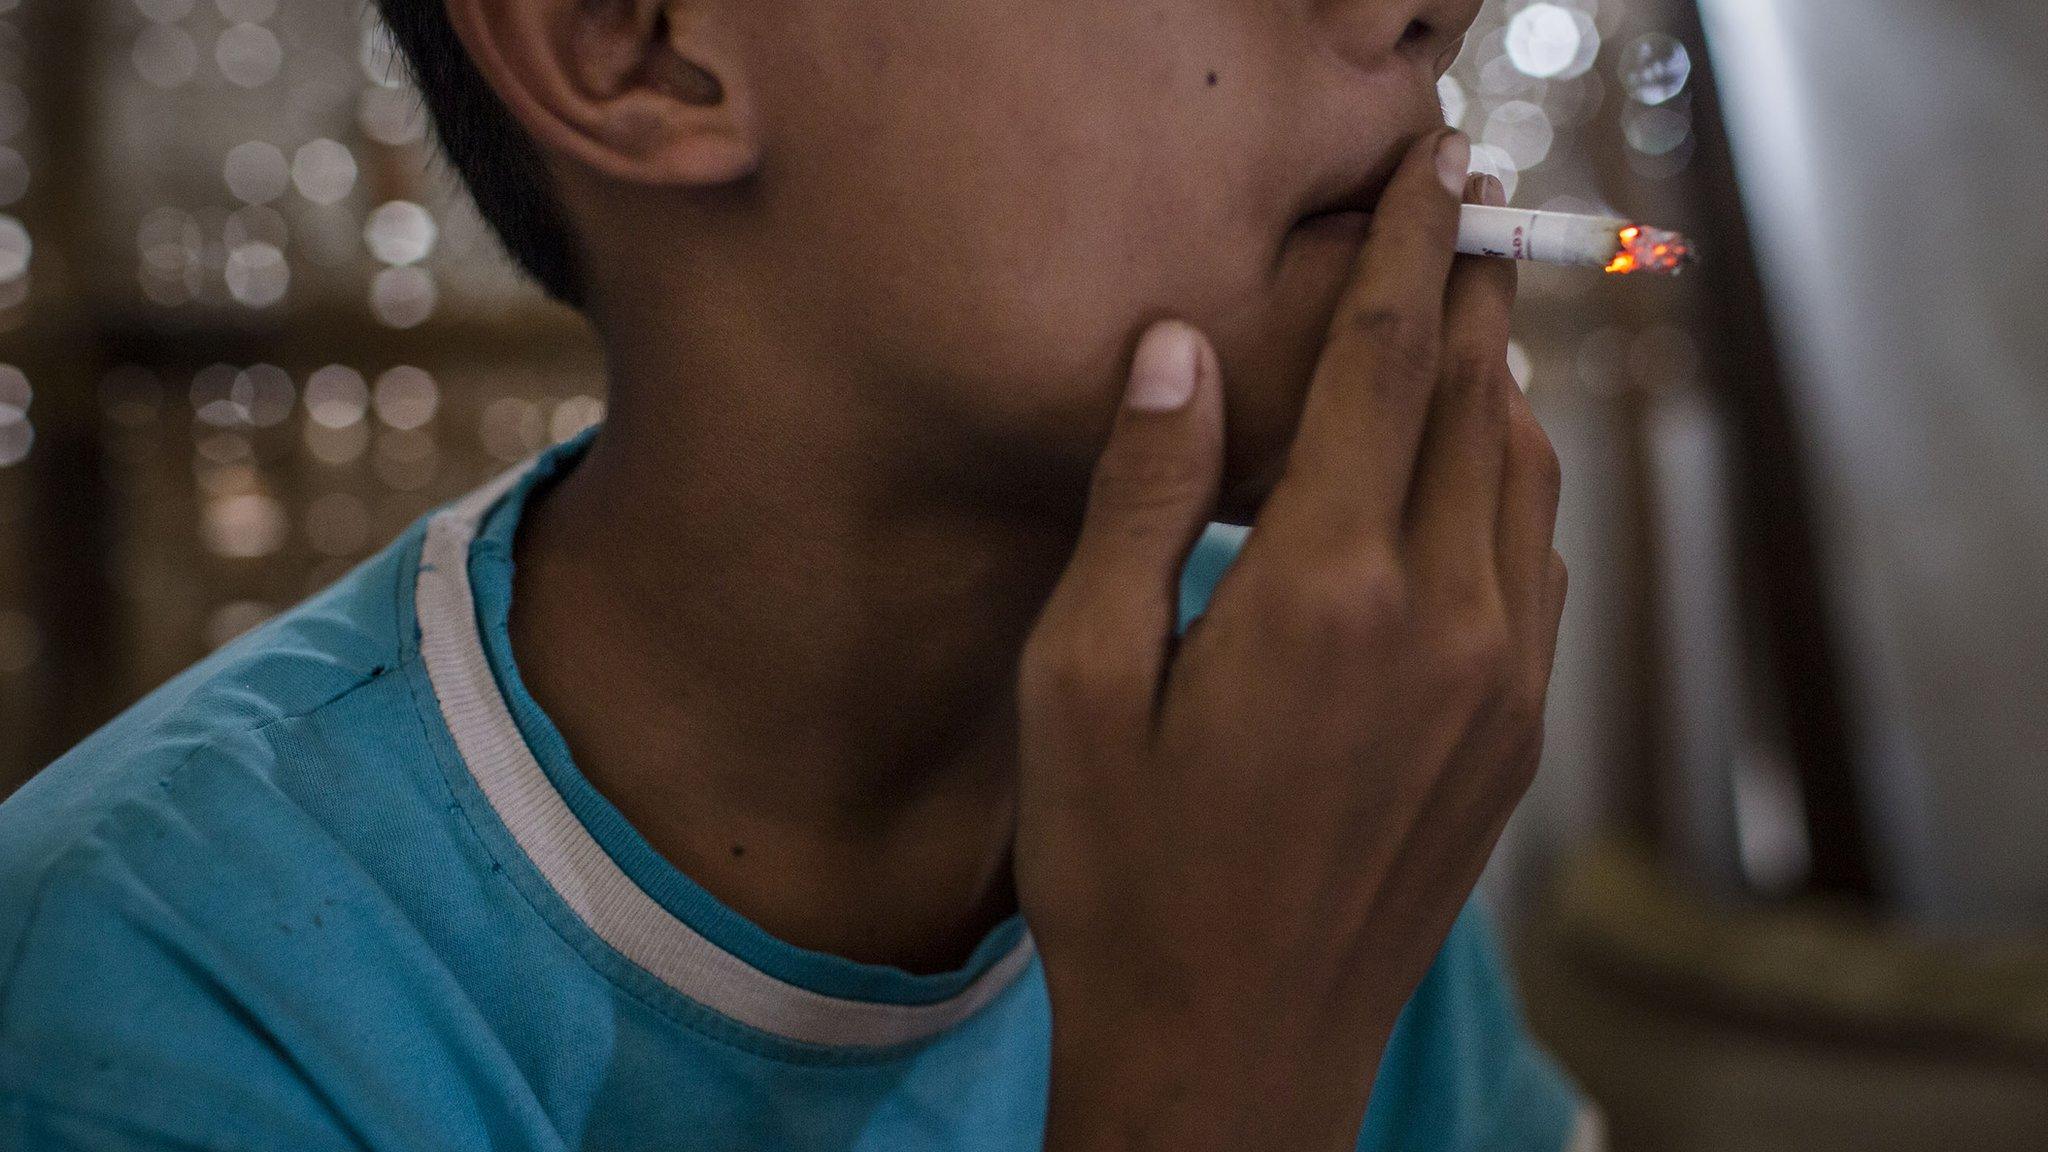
x=1262 y=416
x=1264 y=397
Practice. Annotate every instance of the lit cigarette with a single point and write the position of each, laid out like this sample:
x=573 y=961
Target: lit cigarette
x=1613 y=245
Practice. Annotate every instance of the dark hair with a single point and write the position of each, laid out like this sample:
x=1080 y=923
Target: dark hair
x=498 y=161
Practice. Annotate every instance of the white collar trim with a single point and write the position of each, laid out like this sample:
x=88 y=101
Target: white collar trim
x=579 y=870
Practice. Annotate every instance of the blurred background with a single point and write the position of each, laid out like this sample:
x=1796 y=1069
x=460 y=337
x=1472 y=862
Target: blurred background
x=1783 y=880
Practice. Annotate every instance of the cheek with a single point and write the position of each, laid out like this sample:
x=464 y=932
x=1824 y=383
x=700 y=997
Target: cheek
x=1033 y=155
x=1001 y=205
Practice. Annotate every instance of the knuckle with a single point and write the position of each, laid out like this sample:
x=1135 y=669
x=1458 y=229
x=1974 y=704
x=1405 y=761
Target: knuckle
x=1069 y=674
x=1380 y=595
x=1475 y=653
x=1522 y=706
x=1475 y=372
x=1491 y=388
x=1350 y=605
x=1035 y=679
x=1048 y=669
x=1405 y=341
x=1537 y=456
x=1143 y=482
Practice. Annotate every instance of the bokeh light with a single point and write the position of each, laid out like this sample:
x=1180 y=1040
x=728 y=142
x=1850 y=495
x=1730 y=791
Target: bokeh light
x=213 y=397
x=257 y=274
x=256 y=172
x=391 y=116
x=400 y=232
x=244 y=526
x=404 y=297
x=14 y=176
x=15 y=394
x=15 y=249
x=1655 y=130
x=234 y=618
x=164 y=56
x=249 y=55
x=247 y=11
x=511 y=428
x=324 y=171
x=1450 y=96
x=164 y=11
x=16 y=439
x=13 y=110
x=336 y=396
x=264 y=394
x=573 y=415
x=405 y=397
x=337 y=446
x=1654 y=68
x=1522 y=130
x=1544 y=39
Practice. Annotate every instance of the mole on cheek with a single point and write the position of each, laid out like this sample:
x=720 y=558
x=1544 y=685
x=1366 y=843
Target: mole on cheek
x=1212 y=79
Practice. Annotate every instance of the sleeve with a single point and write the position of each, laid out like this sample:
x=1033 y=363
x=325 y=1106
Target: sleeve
x=1462 y=1072
x=119 y=1029
x=28 y=1125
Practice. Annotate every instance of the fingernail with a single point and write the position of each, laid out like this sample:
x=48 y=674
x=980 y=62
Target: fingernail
x=1494 y=193
x=1475 y=189
x=1163 y=370
x=1454 y=161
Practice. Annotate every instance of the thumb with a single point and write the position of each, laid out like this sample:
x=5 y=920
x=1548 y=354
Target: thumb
x=1106 y=628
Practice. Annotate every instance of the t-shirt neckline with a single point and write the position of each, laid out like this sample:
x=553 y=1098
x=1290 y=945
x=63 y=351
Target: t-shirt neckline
x=596 y=862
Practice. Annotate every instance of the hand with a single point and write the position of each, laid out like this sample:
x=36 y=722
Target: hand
x=1240 y=855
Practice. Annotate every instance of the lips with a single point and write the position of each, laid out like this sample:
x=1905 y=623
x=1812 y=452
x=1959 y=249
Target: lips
x=1334 y=217
x=1346 y=225
x=1353 y=200
x=1360 y=204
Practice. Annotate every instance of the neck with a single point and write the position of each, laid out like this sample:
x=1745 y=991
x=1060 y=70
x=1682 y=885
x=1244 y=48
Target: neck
x=778 y=638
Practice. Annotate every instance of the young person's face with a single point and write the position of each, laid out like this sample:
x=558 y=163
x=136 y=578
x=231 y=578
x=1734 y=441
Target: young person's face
x=993 y=198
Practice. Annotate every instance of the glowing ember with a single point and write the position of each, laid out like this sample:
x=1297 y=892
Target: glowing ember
x=1650 y=250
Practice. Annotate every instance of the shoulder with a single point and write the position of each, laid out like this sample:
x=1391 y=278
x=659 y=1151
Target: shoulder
x=151 y=878
x=292 y=665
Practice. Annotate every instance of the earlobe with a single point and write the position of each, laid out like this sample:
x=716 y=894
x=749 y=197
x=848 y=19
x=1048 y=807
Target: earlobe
x=653 y=137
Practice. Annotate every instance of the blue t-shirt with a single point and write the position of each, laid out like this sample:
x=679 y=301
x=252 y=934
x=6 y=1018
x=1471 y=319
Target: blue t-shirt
x=340 y=885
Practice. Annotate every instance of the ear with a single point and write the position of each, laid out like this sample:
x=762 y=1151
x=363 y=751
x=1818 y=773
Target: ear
x=644 y=91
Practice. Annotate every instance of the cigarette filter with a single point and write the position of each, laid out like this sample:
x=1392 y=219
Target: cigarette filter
x=1614 y=245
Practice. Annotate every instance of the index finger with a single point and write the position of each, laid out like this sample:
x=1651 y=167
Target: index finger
x=1354 y=451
